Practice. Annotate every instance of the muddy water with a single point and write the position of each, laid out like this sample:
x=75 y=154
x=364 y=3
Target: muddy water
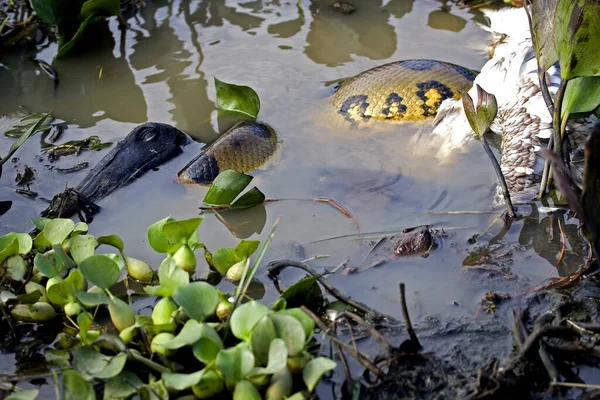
x=386 y=176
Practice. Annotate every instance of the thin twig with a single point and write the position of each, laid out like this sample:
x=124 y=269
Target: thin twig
x=576 y=385
x=502 y=181
x=345 y=366
x=374 y=333
x=409 y=328
x=553 y=331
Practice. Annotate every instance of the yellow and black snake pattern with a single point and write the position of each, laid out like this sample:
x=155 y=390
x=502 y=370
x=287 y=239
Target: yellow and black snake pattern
x=408 y=90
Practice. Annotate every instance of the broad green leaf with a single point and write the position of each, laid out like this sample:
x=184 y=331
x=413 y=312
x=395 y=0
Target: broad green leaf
x=209 y=344
x=303 y=318
x=277 y=358
x=157 y=239
x=109 y=342
x=582 y=95
x=55 y=232
x=246 y=248
x=236 y=362
x=80 y=227
x=66 y=47
x=10 y=247
x=121 y=314
x=245 y=390
x=63 y=292
x=57 y=358
x=7 y=297
x=315 y=369
x=30 y=394
x=273 y=326
x=30 y=298
x=111 y=240
x=139 y=270
x=57 y=12
x=182 y=381
x=297 y=396
x=37 y=312
x=32 y=286
x=76 y=387
x=24 y=242
x=209 y=385
x=304 y=292
x=576 y=37
x=251 y=198
x=47 y=264
x=188 y=335
x=245 y=317
x=542 y=31
x=82 y=247
x=180 y=231
x=15 y=146
x=89 y=362
x=62 y=257
x=122 y=386
x=40 y=223
x=92 y=299
x=170 y=277
x=198 y=299
x=226 y=187
x=101 y=7
x=84 y=322
x=242 y=99
x=16 y=268
x=223 y=259
x=100 y=270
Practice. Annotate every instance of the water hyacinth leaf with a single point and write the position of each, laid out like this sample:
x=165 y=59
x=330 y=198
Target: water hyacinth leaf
x=89 y=362
x=76 y=387
x=84 y=322
x=32 y=286
x=40 y=223
x=245 y=317
x=61 y=293
x=226 y=187
x=576 y=37
x=54 y=232
x=245 y=390
x=30 y=394
x=236 y=362
x=10 y=248
x=110 y=343
x=274 y=326
x=297 y=396
x=277 y=358
x=154 y=391
x=121 y=314
x=208 y=345
x=170 y=277
x=82 y=247
x=223 y=259
x=58 y=358
x=542 y=31
x=304 y=292
x=198 y=299
x=30 y=298
x=47 y=264
x=122 y=386
x=57 y=12
x=303 y=318
x=30 y=132
x=315 y=369
x=7 y=297
x=246 y=248
x=251 y=198
x=16 y=268
x=24 y=241
x=182 y=381
x=37 y=312
x=157 y=239
x=180 y=231
x=92 y=299
x=139 y=270
x=100 y=270
x=112 y=240
x=80 y=227
x=582 y=96
x=209 y=385
x=188 y=335
x=242 y=99
x=62 y=257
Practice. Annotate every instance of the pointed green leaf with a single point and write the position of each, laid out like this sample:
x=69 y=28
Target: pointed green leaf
x=180 y=231
x=582 y=96
x=226 y=187
x=251 y=198
x=100 y=270
x=84 y=322
x=542 y=31
x=246 y=248
x=189 y=334
x=242 y=99
x=315 y=369
x=198 y=299
x=112 y=240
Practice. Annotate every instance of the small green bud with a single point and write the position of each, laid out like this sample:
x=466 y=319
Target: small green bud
x=223 y=310
x=185 y=259
x=235 y=272
x=72 y=308
x=139 y=270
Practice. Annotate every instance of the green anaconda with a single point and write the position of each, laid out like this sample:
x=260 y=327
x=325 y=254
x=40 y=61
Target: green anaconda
x=408 y=90
x=405 y=90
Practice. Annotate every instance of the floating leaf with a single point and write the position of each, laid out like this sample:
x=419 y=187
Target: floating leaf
x=63 y=292
x=84 y=322
x=112 y=240
x=82 y=247
x=208 y=345
x=189 y=334
x=24 y=242
x=121 y=314
x=198 y=299
x=62 y=257
x=182 y=381
x=55 y=232
x=38 y=312
x=315 y=369
x=277 y=358
x=303 y=318
x=76 y=387
x=9 y=246
x=304 y=292
x=100 y=270
x=30 y=394
x=122 y=386
x=157 y=239
x=236 y=362
x=30 y=298
x=209 y=385
x=245 y=390
x=245 y=317
x=180 y=231
x=80 y=227
x=251 y=198
x=170 y=277
x=242 y=99
x=40 y=223
x=92 y=299
x=47 y=264
x=223 y=259
x=226 y=187
x=89 y=362
x=276 y=325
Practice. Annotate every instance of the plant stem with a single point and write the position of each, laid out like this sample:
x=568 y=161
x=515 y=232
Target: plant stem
x=502 y=181
x=556 y=121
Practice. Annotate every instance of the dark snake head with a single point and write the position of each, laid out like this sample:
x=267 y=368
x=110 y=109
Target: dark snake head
x=414 y=242
x=146 y=147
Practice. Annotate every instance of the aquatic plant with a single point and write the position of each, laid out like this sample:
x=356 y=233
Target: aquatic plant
x=197 y=339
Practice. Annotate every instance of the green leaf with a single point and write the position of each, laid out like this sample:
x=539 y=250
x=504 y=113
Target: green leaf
x=65 y=48
x=542 y=31
x=245 y=390
x=236 y=362
x=122 y=386
x=245 y=317
x=121 y=314
x=47 y=264
x=180 y=231
x=189 y=334
x=111 y=240
x=40 y=223
x=198 y=299
x=92 y=299
x=24 y=242
x=101 y=7
x=76 y=387
x=246 y=248
x=89 y=362
x=315 y=369
x=16 y=268
x=170 y=277
x=306 y=291
x=277 y=358
x=182 y=381
x=15 y=146
x=157 y=239
x=84 y=322
x=63 y=292
x=10 y=249
x=208 y=345
x=30 y=394
x=242 y=99
x=30 y=298
x=226 y=187
x=62 y=257
x=576 y=37
x=80 y=227
x=582 y=96
x=307 y=323
x=223 y=259
x=82 y=247
x=100 y=270
x=276 y=325
x=210 y=384
x=55 y=232
x=251 y=198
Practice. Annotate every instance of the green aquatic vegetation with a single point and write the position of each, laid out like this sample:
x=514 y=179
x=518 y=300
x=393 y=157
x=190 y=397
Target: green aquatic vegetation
x=76 y=146
x=32 y=130
x=196 y=340
x=225 y=192
x=235 y=98
x=15 y=124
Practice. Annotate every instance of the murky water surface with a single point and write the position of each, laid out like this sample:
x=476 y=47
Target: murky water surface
x=163 y=71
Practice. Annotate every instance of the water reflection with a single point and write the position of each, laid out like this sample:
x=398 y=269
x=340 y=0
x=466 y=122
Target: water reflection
x=375 y=40
x=216 y=12
x=445 y=20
